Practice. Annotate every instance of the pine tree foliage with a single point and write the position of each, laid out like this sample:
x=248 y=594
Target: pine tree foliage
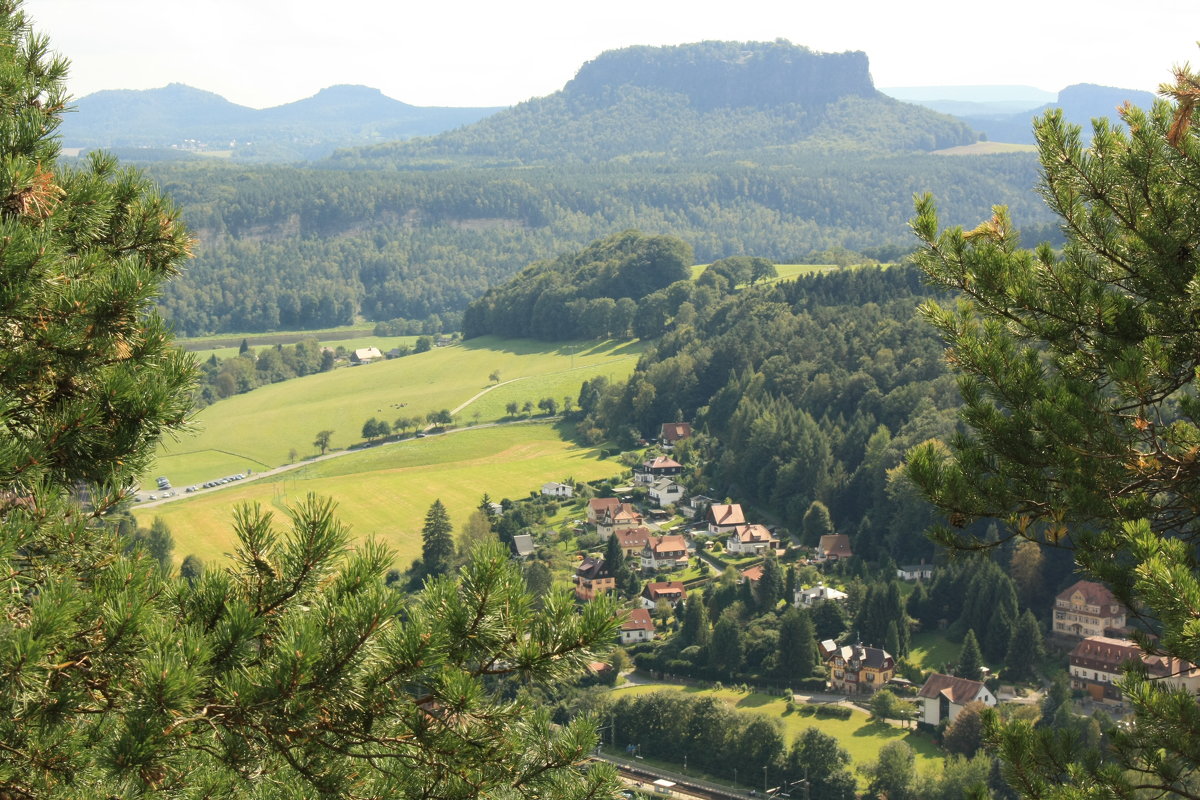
x=437 y=541
x=291 y=673
x=1078 y=371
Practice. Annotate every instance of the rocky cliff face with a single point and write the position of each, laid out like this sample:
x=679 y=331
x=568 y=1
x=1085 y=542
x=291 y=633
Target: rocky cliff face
x=729 y=74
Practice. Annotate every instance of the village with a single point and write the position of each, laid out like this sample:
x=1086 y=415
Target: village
x=690 y=568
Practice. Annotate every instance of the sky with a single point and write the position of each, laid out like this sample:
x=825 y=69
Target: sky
x=263 y=53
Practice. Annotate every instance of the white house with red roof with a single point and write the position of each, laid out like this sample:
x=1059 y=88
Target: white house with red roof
x=724 y=518
x=750 y=540
x=943 y=696
x=637 y=627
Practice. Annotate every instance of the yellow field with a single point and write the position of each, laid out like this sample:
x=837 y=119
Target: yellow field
x=385 y=491
x=261 y=428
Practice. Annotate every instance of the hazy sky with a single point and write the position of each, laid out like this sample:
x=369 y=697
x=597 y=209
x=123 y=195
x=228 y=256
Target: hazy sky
x=471 y=53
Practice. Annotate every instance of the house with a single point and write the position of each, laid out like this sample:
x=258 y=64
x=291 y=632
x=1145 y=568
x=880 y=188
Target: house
x=658 y=467
x=637 y=627
x=665 y=492
x=809 y=597
x=557 y=490
x=1087 y=609
x=694 y=504
x=633 y=541
x=622 y=518
x=522 y=545
x=671 y=591
x=598 y=505
x=915 y=572
x=665 y=552
x=1096 y=663
x=724 y=518
x=856 y=669
x=365 y=355
x=672 y=432
x=943 y=696
x=751 y=540
x=592 y=579
x=834 y=546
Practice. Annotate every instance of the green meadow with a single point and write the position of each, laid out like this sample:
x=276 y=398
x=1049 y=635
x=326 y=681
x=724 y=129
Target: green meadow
x=275 y=424
x=385 y=491
x=861 y=737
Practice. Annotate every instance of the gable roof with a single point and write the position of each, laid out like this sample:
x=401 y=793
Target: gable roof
x=592 y=569
x=671 y=543
x=662 y=462
x=959 y=691
x=639 y=620
x=674 y=431
x=599 y=504
x=1096 y=594
x=633 y=537
x=722 y=514
x=523 y=545
x=836 y=544
x=869 y=657
x=663 y=588
x=748 y=534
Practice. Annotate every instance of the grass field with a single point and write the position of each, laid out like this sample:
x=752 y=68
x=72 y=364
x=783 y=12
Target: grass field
x=262 y=427
x=861 y=738
x=386 y=491
x=986 y=149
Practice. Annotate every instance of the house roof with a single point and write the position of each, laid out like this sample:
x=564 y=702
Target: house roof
x=655 y=590
x=633 y=537
x=1112 y=654
x=754 y=573
x=599 y=504
x=869 y=657
x=555 y=486
x=592 y=568
x=367 y=353
x=668 y=544
x=674 y=431
x=523 y=545
x=748 y=534
x=638 y=620
x=662 y=462
x=662 y=484
x=623 y=513
x=1096 y=594
x=823 y=592
x=836 y=544
x=959 y=691
x=721 y=514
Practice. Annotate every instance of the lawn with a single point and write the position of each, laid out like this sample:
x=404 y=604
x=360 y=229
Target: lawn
x=266 y=425
x=861 y=737
x=932 y=650
x=385 y=491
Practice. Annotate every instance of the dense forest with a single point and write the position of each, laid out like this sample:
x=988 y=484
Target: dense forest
x=287 y=248
x=806 y=392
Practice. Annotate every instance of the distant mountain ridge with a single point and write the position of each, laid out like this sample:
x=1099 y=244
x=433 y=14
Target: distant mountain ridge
x=990 y=109
x=180 y=117
x=686 y=101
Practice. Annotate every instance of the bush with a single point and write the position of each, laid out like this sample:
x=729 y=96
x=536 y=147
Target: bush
x=829 y=711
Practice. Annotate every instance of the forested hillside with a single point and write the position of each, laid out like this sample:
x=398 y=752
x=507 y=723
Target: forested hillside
x=806 y=391
x=293 y=248
x=687 y=101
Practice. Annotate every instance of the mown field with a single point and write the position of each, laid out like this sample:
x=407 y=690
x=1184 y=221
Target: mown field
x=385 y=491
x=861 y=737
x=275 y=424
